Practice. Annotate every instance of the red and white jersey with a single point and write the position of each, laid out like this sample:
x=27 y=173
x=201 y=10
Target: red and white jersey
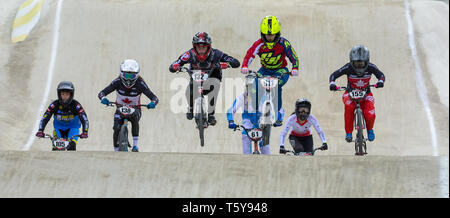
x=293 y=127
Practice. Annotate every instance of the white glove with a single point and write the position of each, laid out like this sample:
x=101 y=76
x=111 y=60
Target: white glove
x=244 y=70
x=294 y=72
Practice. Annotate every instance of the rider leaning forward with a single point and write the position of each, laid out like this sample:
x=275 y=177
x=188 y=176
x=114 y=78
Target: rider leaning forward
x=359 y=72
x=272 y=50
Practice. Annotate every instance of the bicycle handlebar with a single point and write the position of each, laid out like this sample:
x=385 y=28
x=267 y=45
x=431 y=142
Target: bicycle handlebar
x=52 y=138
x=258 y=75
x=119 y=105
x=343 y=88
x=312 y=153
x=223 y=65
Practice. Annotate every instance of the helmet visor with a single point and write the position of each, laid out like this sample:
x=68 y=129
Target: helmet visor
x=359 y=64
x=303 y=110
x=129 y=75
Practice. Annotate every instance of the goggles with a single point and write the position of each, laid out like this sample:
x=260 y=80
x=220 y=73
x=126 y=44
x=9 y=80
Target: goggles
x=129 y=75
x=303 y=111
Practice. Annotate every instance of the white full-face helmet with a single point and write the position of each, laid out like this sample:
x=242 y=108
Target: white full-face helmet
x=129 y=72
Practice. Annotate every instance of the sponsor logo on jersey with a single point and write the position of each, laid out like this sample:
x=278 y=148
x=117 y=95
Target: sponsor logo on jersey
x=185 y=56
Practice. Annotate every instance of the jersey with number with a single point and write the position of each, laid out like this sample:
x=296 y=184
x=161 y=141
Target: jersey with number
x=295 y=128
x=128 y=96
x=274 y=58
x=357 y=82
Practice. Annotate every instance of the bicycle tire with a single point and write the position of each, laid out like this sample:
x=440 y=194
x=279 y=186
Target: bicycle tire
x=266 y=134
x=200 y=122
x=123 y=138
x=359 y=142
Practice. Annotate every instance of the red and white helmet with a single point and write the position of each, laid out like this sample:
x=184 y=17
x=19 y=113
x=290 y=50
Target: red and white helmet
x=201 y=38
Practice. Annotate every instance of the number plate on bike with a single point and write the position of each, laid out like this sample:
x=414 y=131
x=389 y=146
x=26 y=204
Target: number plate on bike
x=255 y=134
x=125 y=110
x=199 y=75
x=60 y=144
x=269 y=82
x=357 y=94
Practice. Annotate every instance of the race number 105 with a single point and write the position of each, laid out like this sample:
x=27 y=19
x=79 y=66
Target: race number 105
x=247 y=207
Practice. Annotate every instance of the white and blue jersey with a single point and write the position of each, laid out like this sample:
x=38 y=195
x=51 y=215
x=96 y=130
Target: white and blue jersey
x=250 y=118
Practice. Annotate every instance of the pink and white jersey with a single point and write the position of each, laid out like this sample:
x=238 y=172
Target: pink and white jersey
x=293 y=127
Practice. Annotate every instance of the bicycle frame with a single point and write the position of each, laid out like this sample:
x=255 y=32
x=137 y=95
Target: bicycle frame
x=254 y=134
x=199 y=77
x=268 y=110
x=359 y=120
x=125 y=110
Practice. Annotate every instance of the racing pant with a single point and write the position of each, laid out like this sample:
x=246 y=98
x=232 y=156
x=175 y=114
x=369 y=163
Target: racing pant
x=367 y=107
x=118 y=122
x=301 y=144
x=211 y=89
x=67 y=133
x=281 y=83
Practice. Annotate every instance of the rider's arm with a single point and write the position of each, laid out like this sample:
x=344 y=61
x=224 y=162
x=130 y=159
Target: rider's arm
x=82 y=115
x=52 y=108
x=287 y=127
x=182 y=60
x=112 y=86
x=233 y=61
x=252 y=52
x=316 y=125
x=147 y=92
x=290 y=53
x=375 y=71
x=237 y=103
x=338 y=73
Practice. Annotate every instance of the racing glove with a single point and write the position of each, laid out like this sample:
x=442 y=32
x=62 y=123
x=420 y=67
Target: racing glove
x=333 y=87
x=231 y=124
x=84 y=135
x=174 y=67
x=40 y=134
x=294 y=72
x=324 y=146
x=244 y=70
x=380 y=84
x=151 y=105
x=105 y=101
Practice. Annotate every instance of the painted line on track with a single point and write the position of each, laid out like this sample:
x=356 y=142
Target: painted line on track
x=49 y=75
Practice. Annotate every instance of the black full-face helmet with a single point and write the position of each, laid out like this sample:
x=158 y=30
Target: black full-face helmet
x=65 y=86
x=302 y=103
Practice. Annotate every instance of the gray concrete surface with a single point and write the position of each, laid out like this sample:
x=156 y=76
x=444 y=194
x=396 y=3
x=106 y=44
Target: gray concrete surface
x=96 y=35
x=107 y=174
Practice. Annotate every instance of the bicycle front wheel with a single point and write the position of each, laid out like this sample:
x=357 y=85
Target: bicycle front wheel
x=123 y=138
x=359 y=142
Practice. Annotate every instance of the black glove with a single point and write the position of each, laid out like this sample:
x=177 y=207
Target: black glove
x=282 y=150
x=324 y=146
x=380 y=84
x=333 y=87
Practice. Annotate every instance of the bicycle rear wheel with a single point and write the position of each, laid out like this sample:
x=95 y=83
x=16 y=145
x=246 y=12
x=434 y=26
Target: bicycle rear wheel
x=123 y=138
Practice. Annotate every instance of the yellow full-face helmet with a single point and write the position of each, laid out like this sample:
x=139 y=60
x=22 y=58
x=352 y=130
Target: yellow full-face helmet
x=270 y=25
